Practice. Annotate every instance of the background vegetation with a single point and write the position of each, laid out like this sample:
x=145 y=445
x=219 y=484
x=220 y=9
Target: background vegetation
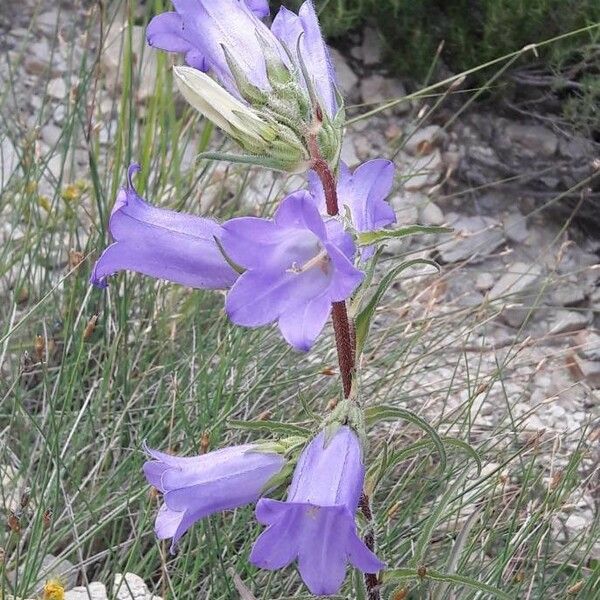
x=474 y=31
x=87 y=375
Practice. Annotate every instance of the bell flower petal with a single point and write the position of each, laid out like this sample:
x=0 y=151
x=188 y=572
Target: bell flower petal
x=317 y=520
x=363 y=192
x=163 y=244
x=169 y=31
x=301 y=33
x=214 y=25
x=294 y=270
x=195 y=487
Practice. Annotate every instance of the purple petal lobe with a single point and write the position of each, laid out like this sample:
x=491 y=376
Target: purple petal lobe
x=298 y=211
x=316 y=523
x=321 y=559
x=259 y=7
x=258 y=297
x=195 y=487
x=360 y=556
x=165 y=31
x=297 y=265
x=300 y=325
x=167 y=522
x=163 y=244
x=317 y=58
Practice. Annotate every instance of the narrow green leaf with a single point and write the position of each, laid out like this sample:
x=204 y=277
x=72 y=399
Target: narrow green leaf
x=273 y=426
x=364 y=318
x=360 y=592
x=421 y=546
x=399 y=574
x=470 y=583
x=375 y=414
x=455 y=554
x=374 y=237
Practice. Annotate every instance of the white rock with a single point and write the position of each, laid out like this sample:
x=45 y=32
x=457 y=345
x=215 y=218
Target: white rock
x=568 y=293
x=348 y=154
x=51 y=134
x=590 y=371
x=95 y=591
x=52 y=567
x=406 y=210
x=57 y=88
x=535 y=139
x=431 y=214
x=424 y=171
x=131 y=587
x=475 y=238
x=588 y=344
x=346 y=77
x=424 y=140
x=47 y=21
x=484 y=282
x=515 y=228
x=519 y=278
x=576 y=523
x=371 y=49
x=111 y=59
x=376 y=90
x=566 y=321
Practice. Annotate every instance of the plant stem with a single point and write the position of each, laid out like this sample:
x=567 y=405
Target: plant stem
x=371 y=579
x=339 y=314
x=345 y=343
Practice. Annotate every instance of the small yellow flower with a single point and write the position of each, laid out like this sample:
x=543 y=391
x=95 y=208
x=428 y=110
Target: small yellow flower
x=53 y=590
x=44 y=202
x=71 y=193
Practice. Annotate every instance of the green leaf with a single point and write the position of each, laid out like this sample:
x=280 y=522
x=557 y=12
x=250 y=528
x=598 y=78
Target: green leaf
x=360 y=592
x=368 y=238
x=364 y=318
x=374 y=414
x=273 y=426
x=399 y=574
x=390 y=459
x=422 y=545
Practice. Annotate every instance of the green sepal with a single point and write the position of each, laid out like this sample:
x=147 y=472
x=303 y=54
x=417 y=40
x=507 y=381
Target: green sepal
x=266 y=162
x=253 y=94
x=279 y=479
x=237 y=268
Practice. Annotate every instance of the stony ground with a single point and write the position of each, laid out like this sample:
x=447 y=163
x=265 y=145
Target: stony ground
x=533 y=282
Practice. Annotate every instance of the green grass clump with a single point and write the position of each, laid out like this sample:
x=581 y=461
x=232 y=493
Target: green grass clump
x=87 y=375
x=474 y=31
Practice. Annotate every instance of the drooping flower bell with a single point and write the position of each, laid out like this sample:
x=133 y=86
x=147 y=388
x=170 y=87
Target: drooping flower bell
x=363 y=193
x=296 y=264
x=162 y=243
x=316 y=524
x=197 y=486
x=273 y=89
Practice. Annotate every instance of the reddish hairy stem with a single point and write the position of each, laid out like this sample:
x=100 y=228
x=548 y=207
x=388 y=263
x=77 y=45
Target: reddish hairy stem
x=346 y=345
x=339 y=315
x=371 y=579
